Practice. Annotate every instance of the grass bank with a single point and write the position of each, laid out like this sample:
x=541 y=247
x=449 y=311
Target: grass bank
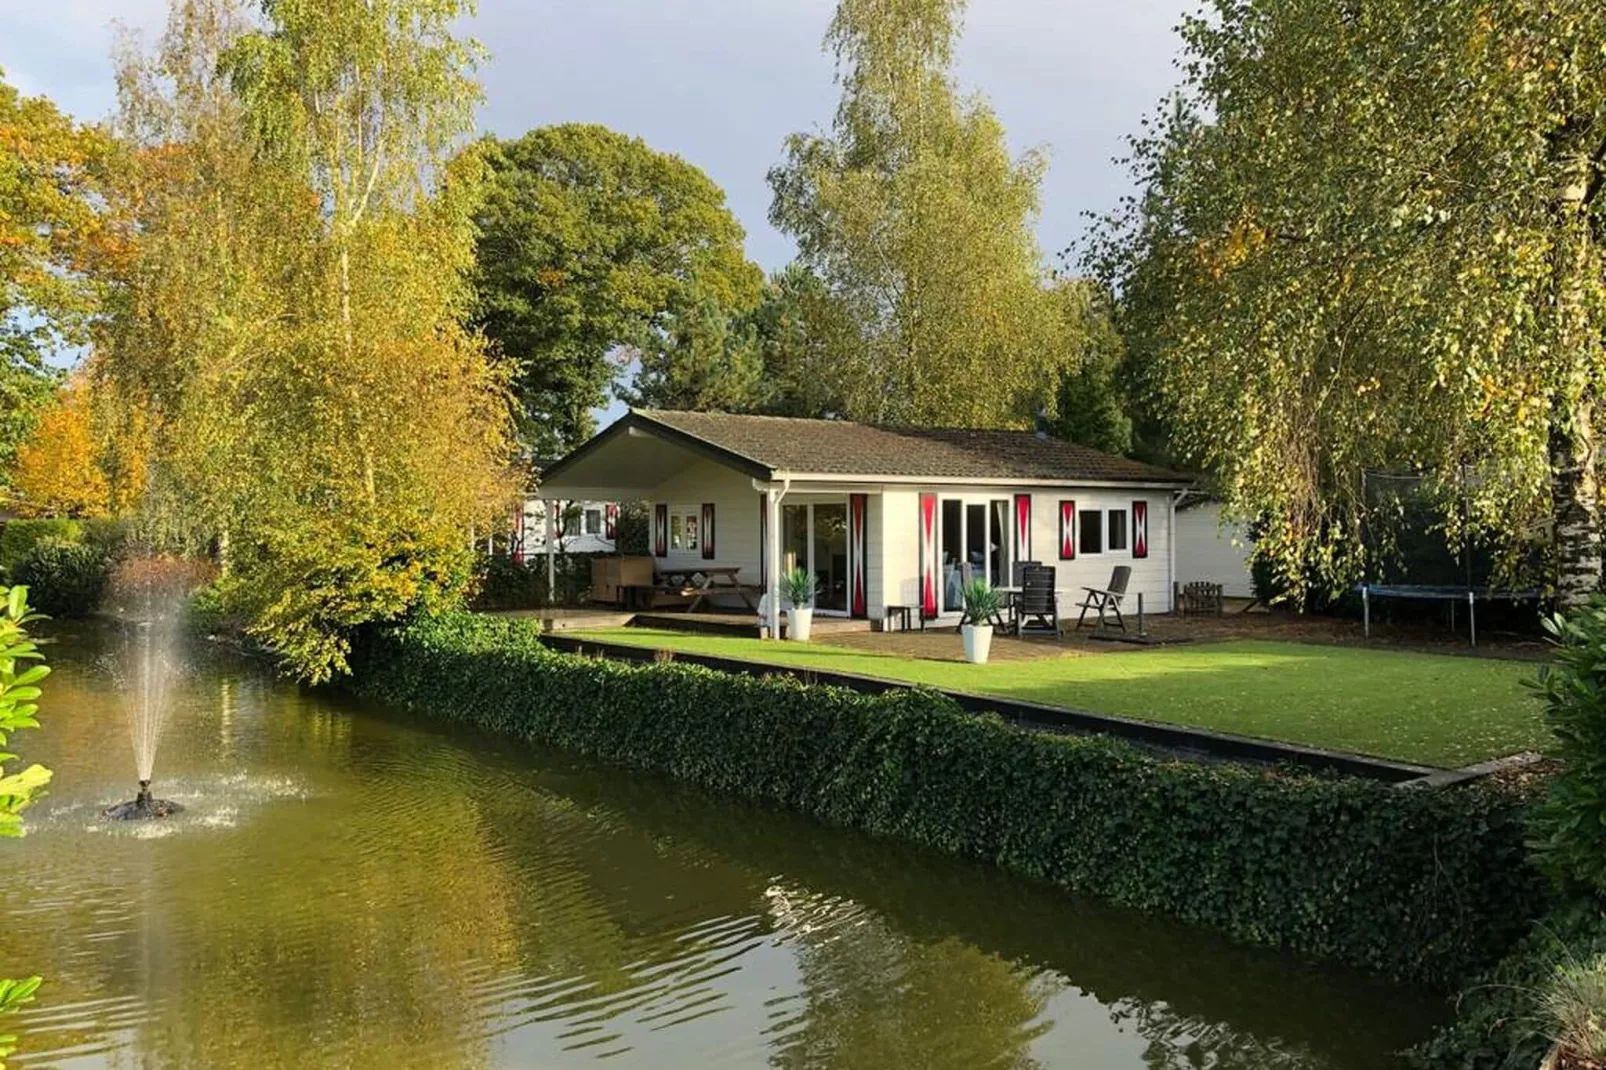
x=1413 y=884
x=1432 y=709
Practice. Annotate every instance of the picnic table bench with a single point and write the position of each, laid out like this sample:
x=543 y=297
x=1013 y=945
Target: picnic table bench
x=697 y=585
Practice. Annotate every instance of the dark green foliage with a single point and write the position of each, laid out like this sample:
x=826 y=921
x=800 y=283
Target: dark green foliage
x=508 y=584
x=1411 y=883
x=64 y=579
x=1569 y=826
x=19 y=536
x=1499 y=1021
x=632 y=530
x=591 y=241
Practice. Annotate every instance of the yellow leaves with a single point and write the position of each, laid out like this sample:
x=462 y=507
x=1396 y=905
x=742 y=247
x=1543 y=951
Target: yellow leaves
x=58 y=469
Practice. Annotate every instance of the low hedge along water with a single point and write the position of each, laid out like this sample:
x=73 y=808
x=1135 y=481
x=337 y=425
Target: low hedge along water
x=1416 y=885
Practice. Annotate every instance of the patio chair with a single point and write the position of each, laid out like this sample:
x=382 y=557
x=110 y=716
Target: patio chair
x=1018 y=572
x=1037 y=600
x=1108 y=599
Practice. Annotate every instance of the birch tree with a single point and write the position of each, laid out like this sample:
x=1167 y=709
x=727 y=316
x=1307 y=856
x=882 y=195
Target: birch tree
x=919 y=222
x=1369 y=236
x=290 y=332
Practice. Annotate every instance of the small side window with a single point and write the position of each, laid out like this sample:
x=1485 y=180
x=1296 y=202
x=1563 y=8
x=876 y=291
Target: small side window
x=1090 y=531
x=1117 y=530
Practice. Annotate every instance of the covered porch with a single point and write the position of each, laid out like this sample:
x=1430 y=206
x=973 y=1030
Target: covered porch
x=725 y=521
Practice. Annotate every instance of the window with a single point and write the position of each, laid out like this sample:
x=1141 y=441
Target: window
x=691 y=533
x=1117 y=530
x=677 y=533
x=1090 y=531
x=593 y=522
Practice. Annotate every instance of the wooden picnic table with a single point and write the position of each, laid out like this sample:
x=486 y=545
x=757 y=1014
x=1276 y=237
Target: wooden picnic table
x=707 y=581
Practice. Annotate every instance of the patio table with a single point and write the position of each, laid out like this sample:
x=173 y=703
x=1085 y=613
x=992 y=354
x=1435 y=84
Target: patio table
x=707 y=581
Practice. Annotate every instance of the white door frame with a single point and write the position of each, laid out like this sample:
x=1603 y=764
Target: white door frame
x=809 y=523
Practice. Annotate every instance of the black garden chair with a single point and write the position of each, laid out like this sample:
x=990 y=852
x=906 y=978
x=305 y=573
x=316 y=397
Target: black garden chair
x=1037 y=601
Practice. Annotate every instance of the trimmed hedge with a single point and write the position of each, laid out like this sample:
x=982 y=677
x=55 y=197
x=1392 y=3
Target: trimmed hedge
x=1414 y=884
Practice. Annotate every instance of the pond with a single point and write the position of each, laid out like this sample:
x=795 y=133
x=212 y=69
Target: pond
x=349 y=887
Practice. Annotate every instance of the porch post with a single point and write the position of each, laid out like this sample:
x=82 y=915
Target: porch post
x=551 y=552
x=772 y=558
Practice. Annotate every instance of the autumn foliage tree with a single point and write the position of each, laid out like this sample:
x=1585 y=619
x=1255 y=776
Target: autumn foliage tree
x=59 y=466
x=1370 y=236
x=53 y=231
x=291 y=328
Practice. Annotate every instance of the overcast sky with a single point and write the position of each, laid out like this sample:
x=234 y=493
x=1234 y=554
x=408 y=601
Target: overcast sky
x=722 y=82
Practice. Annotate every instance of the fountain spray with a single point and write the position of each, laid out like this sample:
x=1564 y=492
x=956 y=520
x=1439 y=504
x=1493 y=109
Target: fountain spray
x=150 y=593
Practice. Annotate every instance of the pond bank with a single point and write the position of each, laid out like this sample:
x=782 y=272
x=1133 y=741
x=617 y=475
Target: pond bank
x=1414 y=885
x=351 y=886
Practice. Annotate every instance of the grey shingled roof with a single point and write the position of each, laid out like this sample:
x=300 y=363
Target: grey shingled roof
x=837 y=447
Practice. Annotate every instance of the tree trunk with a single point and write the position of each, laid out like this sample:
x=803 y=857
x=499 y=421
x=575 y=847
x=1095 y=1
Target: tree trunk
x=1575 y=492
x=1575 y=506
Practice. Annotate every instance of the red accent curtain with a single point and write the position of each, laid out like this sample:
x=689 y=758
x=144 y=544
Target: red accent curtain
x=1140 y=529
x=708 y=531
x=1068 y=529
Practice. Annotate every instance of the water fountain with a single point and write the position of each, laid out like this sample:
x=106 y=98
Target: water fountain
x=149 y=594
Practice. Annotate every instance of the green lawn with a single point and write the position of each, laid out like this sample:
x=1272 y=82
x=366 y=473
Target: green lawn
x=1426 y=708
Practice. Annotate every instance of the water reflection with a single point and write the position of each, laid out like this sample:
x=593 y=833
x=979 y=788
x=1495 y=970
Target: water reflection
x=350 y=889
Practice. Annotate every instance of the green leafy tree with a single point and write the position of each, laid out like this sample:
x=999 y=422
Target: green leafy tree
x=1369 y=236
x=21 y=671
x=53 y=230
x=706 y=360
x=1092 y=405
x=919 y=222
x=593 y=245
x=800 y=328
x=291 y=328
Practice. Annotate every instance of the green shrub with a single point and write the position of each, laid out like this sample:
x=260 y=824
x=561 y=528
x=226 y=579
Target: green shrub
x=1569 y=827
x=1411 y=883
x=19 y=536
x=1502 y=1019
x=508 y=584
x=66 y=579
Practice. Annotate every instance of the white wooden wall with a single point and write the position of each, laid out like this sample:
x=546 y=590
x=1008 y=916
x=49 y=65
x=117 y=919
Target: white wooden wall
x=1207 y=551
x=736 y=517
x=894 y=566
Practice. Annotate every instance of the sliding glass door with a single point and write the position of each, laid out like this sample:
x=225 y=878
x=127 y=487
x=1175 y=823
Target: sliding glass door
x=974 y=545
x=815 y=537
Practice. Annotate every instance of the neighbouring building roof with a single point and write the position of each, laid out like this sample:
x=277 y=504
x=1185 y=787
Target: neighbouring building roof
x=771 y=446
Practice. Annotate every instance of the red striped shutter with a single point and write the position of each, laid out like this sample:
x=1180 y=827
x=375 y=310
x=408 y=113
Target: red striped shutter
x=928 y=555
x=1140 y=529
x=610 y=521
x=1068 y=529
x=763 y=542
x=858 y=576
x=708 y=531
x=660 y=530
x=1023 y=527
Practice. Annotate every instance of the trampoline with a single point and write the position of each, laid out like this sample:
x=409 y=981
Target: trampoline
x=1451 y=594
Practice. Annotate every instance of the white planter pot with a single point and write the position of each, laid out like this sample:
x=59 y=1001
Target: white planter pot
x=978 y=642
x=799 y=622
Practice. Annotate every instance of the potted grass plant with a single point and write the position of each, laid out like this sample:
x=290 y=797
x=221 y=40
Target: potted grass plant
x=981 y=609
x=798 y=587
